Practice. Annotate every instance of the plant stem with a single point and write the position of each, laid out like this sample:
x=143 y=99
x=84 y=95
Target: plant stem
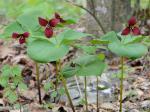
x=86 y=102
x=38 y=82
x=121 y=83
x=97 y=95
x=67 y=93
x=92 y=14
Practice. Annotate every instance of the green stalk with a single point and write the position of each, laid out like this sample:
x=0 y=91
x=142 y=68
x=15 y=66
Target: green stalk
x=86 y=102
x=38 y=82
x=67 y=93
x=97 y=95
x=65 y=85
x=121 y=83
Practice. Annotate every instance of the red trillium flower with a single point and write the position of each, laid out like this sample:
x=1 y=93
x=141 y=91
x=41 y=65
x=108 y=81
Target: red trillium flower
x=49 y=24
x=22 y=37
x=131 y=28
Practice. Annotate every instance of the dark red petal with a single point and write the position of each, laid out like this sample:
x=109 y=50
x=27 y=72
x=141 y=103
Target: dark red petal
x=15 y=35
x=132 y=21
x=126 y=31
x=42 y=22
x=22 y=40
x=136 y=31
x=62 y=20
x=48 y=32
x=53 y=22
x=57 y=15
x=26 y=34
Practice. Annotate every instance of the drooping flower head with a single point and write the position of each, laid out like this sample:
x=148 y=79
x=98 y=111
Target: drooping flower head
x=50 y=24
x=132 y=27
x=22 y=37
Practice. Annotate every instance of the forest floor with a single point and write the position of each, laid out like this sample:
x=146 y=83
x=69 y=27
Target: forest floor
x=136 y=97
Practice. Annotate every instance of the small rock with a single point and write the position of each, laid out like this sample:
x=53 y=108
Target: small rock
x=145 y=104
x=134 y=110
x=29 y=94
x=109 y=106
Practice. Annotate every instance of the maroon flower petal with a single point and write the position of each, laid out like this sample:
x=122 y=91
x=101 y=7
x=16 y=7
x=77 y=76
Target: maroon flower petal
x=15 y=35
x=53 y=22
x=132 y=21
x=22 y=40
x=62 y=20
x=26 y=34
x=42 y=22
x=48 y=32
x=57 y=15
x=126 y=31
x=136 y=31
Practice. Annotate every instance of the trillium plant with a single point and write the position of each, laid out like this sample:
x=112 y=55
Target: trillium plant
x=45 y=45
x=126 y=44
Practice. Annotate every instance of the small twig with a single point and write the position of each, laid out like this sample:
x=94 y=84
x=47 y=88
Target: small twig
x=86 y=101
x=77 y=82
x=38 y=82
x=92 y=14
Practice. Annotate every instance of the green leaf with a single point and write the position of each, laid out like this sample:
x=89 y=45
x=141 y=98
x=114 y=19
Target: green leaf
x=88 y=49
x=68 y=71
x=29 y=20
x=69 y=34
x=89 y=65
x=12 y=97
x=101 y=56
x=61 y=91
x=13 y=27
x=44 y=51
x=54 y=94
x=98 y=41
x=47 y=86
x=16 y=70
x=128 y=50
x=110 y=36
x=4 y=81
x=6 y=70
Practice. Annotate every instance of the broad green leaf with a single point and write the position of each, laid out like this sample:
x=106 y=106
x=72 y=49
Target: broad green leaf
x=39 y=50
x=89 y=65
x=98 y=41
x=13 y=27
x=128 y=50
x=88 y=49
x=29 y=20
x=68 y=71
x=110 y=36
x=44 y=51
x=69 y=34
x=129 y=39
